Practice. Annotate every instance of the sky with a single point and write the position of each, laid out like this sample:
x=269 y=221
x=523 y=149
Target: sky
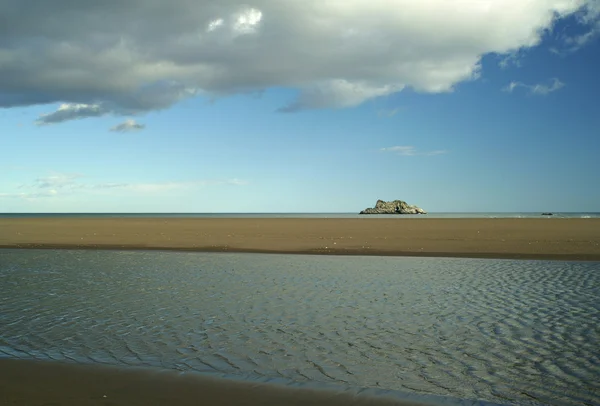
x=299 y=105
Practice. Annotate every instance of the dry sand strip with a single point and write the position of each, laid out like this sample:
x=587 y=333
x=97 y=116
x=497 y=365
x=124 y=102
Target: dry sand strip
x=552 y=238
x=36 y=383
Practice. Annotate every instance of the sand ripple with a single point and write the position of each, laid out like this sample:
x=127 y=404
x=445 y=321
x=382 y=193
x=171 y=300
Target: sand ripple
x=523 y=332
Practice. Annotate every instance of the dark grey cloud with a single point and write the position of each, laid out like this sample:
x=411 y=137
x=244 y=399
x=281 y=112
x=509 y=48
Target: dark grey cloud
x=127 y=57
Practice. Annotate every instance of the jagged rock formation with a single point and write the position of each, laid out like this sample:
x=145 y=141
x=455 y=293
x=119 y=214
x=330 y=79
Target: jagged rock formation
x=393 y=207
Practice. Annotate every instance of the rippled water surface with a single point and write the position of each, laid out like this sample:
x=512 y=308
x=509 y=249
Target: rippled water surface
x=525 y=332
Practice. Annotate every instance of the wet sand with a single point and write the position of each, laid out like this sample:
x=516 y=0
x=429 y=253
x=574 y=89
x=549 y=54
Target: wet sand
x=559 y=239
x=35 y=383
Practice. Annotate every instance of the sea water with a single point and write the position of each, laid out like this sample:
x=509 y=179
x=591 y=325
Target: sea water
x=476 y=215
x=504 y=331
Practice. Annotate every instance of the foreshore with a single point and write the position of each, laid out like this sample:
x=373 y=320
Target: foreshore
x=552 y=239
x=36 y=383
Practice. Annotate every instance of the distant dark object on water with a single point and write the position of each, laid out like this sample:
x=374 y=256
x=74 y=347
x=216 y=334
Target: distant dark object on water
x=547 y=214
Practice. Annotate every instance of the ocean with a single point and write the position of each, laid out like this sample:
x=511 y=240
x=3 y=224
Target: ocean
x=302 y=215
x=501 y=331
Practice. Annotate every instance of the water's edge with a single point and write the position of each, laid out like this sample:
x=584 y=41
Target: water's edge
x=354 y=252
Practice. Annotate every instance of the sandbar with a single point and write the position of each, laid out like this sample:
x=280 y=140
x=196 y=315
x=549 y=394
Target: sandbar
x=514 y=238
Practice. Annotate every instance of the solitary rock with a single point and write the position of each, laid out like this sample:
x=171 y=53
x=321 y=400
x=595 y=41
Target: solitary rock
x=393 y=207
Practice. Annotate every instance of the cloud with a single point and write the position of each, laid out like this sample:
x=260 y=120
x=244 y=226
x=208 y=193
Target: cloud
x=110 y=186
x=236 y=182
x=401 y=150
x=338 y=93
x=388 y=112
x=55 y=181
x=13 y=168
x=31 y=195
x=539 y=89
x=512 y=59
x=70 y=111
x=62 y=184
x=588 y=17
x=130 y=57
x=412 y=151
x=150 y=187
x=128 y=126
x=436 y=152
x=167 y=186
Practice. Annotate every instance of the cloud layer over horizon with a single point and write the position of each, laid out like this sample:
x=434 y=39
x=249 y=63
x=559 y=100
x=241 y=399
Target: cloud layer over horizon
x=60 y=184
x=131 y=57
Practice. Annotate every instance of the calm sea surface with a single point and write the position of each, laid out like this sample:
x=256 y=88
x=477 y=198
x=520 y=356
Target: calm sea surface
x=511 y=332
x=296 y=215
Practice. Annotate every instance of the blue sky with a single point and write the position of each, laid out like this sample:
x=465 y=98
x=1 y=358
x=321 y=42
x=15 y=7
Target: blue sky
x=451 y=114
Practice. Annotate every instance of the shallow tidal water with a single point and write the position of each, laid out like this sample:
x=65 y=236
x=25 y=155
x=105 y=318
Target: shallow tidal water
x=504 y=331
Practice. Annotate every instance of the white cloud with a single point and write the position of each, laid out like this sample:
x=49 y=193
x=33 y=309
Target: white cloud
x=401 y=150
x=236 y=182
x=512 y=58
x=110 y=185
x=436 y=152
x=339 y=93
x=589 y=17
x=215 y=24
x=158 y=187
x=128 y=126
x=13 y=168
x=168 y=186
x=539 y=89
x=62 y=184
x=71 y=111
x=130 y=57
x=247 y=21
x=30 y=195
x=56 y=181
x=388 y=112
x=412 y=151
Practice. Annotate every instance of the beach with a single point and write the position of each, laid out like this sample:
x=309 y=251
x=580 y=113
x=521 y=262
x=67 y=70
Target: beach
x=511 y=238
x=87 y=300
